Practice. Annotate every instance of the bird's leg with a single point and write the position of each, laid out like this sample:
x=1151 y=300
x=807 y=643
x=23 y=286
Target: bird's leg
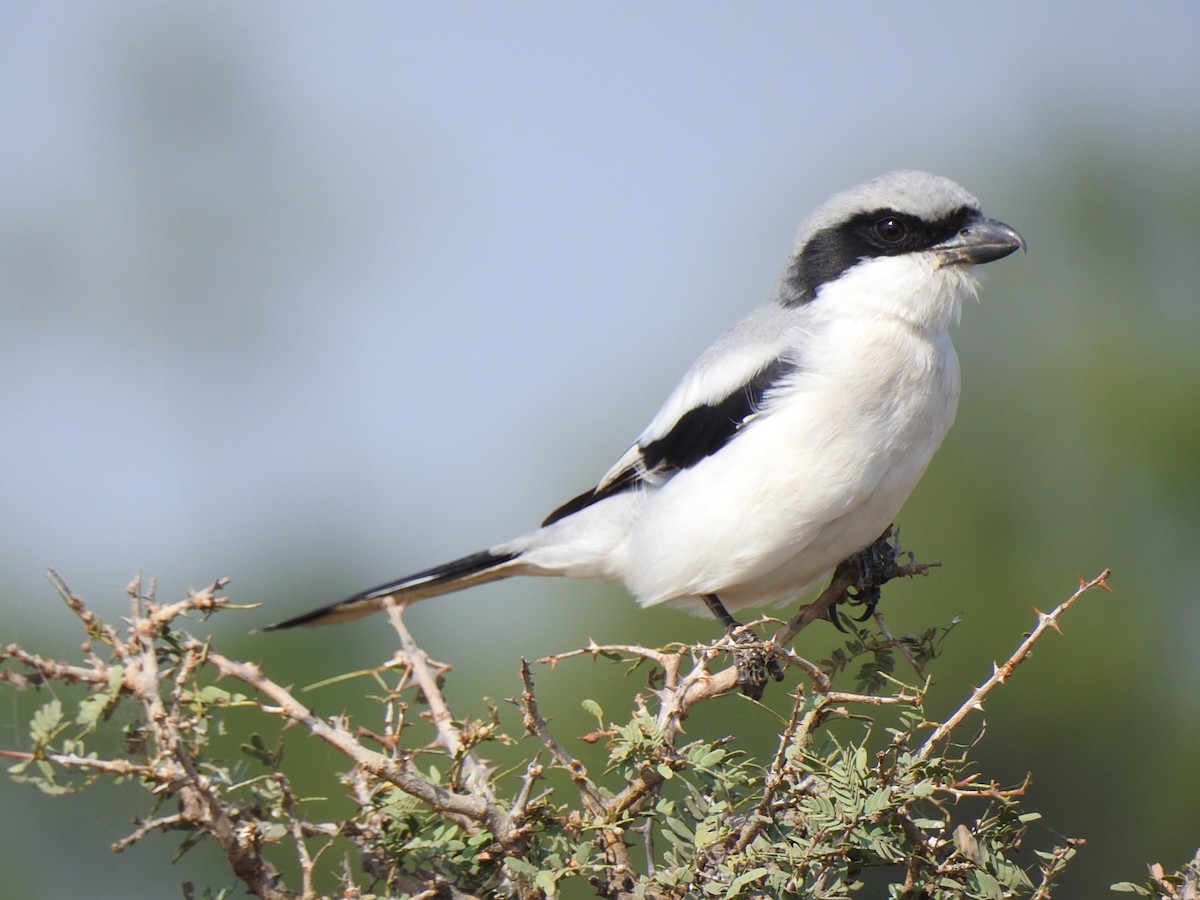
x=752 y=663
x=873 y=567
x=717 y=608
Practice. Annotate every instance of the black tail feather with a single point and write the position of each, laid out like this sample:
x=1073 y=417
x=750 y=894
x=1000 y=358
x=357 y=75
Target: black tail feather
x=451 y=576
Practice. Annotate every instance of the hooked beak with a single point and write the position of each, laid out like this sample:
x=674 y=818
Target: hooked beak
x=980 y=241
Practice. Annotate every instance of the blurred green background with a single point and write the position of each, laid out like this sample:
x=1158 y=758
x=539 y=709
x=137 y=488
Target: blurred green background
x=312 y=296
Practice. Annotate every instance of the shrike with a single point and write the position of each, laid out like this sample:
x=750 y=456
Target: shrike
x=793 y=441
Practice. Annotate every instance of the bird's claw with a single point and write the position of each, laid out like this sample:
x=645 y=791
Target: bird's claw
x=872 y=567
x=754 y=662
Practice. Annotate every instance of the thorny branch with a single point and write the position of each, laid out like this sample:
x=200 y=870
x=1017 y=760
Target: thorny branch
x=169 y=768
x=158 y=667
x=601 y=812
x=682 y=690
x=1001 y=673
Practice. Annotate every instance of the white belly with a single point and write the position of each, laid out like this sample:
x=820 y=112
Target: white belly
x=799 y=490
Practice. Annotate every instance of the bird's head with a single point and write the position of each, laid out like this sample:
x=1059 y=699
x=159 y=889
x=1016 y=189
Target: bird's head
x=904 y=233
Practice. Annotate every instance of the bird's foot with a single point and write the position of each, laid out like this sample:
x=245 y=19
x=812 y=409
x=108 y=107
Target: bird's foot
x=872 y=567
x=752 y=658
x=754 y=662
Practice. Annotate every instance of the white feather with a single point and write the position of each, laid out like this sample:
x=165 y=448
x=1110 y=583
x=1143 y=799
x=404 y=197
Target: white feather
x=820 y=472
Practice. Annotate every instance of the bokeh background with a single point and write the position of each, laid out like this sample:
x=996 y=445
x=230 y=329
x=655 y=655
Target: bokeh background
x=313 y=295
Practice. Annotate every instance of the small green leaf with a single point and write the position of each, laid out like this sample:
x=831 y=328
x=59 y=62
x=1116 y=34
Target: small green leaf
x=546 y=882
x=861 y=761
x=711 y=758
x=677 y=826
x=746 y=878
x=91 y=711
x=520 y=867
x=1128 y=887
x=45 y=721
x=922 y=789
x=211 y=695
x=966 y=844
x=592 y=708
x=257 y=749
x=53 y=789
x=878 y=801
x=989 y=887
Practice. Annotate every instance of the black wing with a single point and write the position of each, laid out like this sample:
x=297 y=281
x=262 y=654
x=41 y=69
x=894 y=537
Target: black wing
x=699 y=433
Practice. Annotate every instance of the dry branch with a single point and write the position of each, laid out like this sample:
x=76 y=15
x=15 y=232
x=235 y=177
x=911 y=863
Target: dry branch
x=162 y=670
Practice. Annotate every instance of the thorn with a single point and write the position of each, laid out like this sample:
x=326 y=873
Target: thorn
x=1100 y=581
x=1050 y=621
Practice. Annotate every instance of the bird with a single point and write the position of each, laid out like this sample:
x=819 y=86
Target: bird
x=792 y=443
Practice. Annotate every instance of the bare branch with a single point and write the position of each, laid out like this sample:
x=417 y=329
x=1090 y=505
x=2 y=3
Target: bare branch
x=1000 y=674
x=163 y=824
x=338 y=737
x=49 y=670
x=602 y=813
x=296 y=828
x=449 y=735
x=782 y=827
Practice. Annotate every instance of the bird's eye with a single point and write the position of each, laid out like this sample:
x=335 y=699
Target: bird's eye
x=891 y=229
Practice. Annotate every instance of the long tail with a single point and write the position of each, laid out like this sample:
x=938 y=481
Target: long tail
x=477 y=568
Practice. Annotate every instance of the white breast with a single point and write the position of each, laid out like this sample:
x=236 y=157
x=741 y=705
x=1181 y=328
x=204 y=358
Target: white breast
x=823 y=471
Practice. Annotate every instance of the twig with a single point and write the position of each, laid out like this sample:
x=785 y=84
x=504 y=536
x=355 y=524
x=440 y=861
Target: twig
x=608 y=832
x=521 y=803
x=845 y=578
x=536 y=726
x=49 y=670
x=122 y=768
x=449 y=735
x=170 y=766
x=1046 y=621
x=772 y=781
x=75 y=603
x=296 y=827
x=204 y=601
x=163 y=824
x=467 y=806
x=893 y=641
